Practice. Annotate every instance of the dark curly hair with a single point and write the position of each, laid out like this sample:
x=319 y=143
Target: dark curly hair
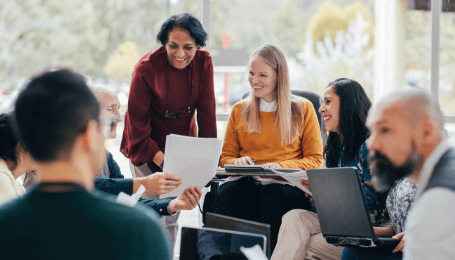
x=8 y=141
x=352 y=132
x=185 y=22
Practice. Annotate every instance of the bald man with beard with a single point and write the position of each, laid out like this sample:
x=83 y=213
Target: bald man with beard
x=408 y=140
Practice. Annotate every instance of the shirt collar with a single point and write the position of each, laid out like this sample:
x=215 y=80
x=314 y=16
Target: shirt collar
x=264 y=106
x=428 y=166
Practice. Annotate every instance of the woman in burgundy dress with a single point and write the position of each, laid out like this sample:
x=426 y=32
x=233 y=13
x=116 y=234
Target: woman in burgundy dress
x=168 y=85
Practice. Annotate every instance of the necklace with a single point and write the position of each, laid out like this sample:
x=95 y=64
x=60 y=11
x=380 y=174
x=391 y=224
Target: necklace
x=182 y=113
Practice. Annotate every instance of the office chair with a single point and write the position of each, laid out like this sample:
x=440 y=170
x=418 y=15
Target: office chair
x=315 y=99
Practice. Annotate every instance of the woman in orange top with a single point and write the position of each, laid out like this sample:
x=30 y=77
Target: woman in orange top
x=276 y=129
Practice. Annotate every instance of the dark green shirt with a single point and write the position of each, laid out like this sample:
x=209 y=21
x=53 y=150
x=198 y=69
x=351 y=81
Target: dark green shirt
x=78 y=225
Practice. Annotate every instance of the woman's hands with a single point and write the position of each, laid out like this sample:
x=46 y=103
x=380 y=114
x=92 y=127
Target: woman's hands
x=248 y=161
x=158 y=159
x=187 y=201
x=273 y=165
x=244 y=161
x=400 y=246
x=306 y=184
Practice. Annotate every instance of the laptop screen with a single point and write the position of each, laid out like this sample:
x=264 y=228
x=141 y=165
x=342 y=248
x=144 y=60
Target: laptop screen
x=236 y=224
x=198 y=243
x=340 y=203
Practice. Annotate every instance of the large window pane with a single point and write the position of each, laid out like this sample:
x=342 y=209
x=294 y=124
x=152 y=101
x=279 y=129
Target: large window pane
x=322 y=40
x=447 y=58
x=417 y=46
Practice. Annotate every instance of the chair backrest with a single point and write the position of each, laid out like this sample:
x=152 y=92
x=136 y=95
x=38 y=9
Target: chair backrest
x=317 y=103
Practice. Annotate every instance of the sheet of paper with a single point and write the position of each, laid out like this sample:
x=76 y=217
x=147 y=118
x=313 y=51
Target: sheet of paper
x=132 y=200
x=194 y=159
x=253 y=253
x=294 y=178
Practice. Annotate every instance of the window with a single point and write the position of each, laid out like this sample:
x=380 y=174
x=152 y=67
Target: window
x=322 y=40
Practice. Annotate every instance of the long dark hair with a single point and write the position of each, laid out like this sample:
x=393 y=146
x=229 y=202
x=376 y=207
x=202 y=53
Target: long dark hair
x=352 y=132
x=8 y=141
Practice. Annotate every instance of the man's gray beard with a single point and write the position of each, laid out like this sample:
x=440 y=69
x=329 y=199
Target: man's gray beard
x=385 y=174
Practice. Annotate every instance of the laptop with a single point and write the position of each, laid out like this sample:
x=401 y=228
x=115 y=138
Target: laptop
x=341 y=208
x=236 y=224
x=232 y=241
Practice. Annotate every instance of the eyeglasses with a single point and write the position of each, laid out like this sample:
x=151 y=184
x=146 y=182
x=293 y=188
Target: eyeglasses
x=182 y=113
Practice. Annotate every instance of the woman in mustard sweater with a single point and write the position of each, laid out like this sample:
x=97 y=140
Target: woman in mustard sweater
x=274 y=128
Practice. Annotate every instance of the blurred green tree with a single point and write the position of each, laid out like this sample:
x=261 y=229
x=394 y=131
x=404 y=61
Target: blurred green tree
x=121 y=63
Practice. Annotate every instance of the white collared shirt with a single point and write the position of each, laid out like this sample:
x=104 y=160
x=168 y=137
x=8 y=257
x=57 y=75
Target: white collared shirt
x=264 y=106
x=430 y=226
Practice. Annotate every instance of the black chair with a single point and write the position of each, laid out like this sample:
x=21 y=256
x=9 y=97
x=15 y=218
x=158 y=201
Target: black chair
x=315 y=99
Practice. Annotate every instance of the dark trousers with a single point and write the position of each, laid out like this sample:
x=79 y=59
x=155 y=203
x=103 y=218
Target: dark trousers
x=249 y=199
x=359 y=253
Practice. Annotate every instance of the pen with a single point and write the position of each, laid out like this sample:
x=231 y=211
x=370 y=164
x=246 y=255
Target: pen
x=254 y=160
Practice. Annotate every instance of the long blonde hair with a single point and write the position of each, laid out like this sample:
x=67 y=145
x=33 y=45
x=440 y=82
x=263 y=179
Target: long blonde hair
x=289 y=112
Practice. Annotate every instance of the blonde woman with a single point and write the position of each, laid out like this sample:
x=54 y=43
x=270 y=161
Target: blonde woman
x=271 y=127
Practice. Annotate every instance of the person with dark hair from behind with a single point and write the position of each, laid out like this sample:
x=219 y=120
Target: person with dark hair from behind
x=14 y=161
x=112 y=181
x=345 y=108
x=408 y=139
x=58 y=120
x=168 y=85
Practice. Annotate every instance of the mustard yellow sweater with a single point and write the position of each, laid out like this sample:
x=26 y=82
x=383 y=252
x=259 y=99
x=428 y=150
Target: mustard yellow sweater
x=304 y=153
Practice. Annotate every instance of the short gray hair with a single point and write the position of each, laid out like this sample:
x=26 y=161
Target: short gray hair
x=415 y=105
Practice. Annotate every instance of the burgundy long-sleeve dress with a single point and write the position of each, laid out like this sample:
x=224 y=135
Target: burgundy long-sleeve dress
x=157 y=87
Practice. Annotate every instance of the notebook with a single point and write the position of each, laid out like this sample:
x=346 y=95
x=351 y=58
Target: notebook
x=236 y=224
x=232 y=240
x=342 y=210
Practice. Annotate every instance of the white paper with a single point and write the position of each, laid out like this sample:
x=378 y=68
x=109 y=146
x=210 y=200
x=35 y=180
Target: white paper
x=254 y=253
x=132 y=200
x=194 y=159
x=294 y=178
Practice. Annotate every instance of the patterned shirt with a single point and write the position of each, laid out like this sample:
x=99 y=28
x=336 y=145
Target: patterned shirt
x=399 y=202
x=374 y=201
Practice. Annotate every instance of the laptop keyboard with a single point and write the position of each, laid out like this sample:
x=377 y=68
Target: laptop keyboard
x=348 y=241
